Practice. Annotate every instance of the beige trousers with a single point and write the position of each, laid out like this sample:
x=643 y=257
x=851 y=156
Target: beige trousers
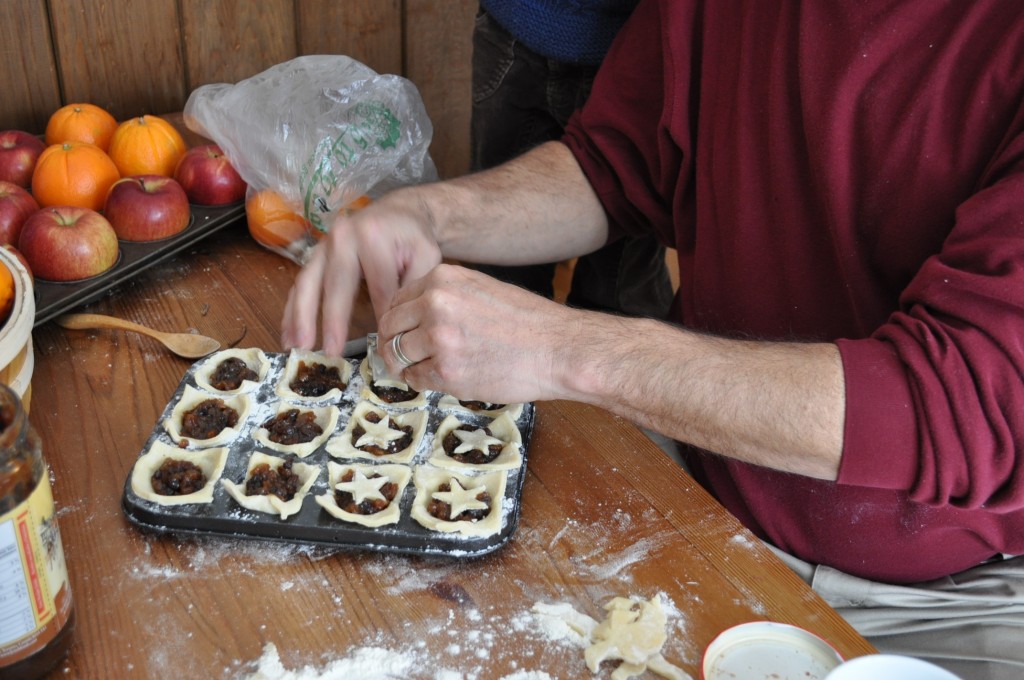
x=971 y=623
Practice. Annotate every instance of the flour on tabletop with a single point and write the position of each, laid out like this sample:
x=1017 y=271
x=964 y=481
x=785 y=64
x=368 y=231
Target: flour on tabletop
x=468 y=656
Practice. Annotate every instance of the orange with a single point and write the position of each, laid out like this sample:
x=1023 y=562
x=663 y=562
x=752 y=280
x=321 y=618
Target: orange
x=272 y=222
x=81 y=123
x=146 y=145
x=73 y=173
x=6 y=293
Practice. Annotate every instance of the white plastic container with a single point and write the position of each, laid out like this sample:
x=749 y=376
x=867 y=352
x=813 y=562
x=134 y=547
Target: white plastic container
x=763 y=649
x=16 y=358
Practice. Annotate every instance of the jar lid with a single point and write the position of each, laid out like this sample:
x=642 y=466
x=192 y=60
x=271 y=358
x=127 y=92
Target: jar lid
x=765 y=649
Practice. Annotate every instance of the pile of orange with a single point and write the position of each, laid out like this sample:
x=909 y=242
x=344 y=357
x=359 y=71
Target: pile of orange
x=88 y=151
x=6 y=293
x=146 y=145
x=73 y=173
x=81 y=123
x=272 y=222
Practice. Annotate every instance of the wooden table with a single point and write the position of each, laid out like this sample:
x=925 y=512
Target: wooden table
x=605 y=513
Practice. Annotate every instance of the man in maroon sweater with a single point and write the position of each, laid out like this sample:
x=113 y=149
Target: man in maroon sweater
x=844 y=185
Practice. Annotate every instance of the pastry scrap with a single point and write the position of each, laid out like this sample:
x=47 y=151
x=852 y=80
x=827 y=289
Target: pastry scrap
x=480 y=408
x=207 y=420
x=390 y=392
x=276 y=486
x=297 y=429
x=365 y=494
x=452 y=502
x=375 y=434
x=310 y=376
x=231 y=371
x=464 y=446
x=170 y=476
x=633 y=632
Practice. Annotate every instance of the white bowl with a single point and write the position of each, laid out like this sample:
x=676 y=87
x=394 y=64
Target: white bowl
x=889 y=667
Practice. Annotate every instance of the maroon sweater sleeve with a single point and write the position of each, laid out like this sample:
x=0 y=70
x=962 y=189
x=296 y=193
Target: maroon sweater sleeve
x=862 y=186
x=950 y=360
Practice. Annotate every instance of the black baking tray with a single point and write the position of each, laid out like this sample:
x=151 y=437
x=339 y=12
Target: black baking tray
x=54 y=298
x=313 y=525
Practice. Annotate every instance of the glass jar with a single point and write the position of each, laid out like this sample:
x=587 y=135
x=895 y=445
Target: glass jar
x=36 y=610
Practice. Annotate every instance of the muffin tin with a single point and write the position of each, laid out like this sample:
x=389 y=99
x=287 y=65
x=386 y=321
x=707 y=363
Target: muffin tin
x=311 y=523
x=55 y=297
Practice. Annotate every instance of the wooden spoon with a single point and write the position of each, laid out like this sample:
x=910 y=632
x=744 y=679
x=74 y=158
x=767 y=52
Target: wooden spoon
x=186 y=345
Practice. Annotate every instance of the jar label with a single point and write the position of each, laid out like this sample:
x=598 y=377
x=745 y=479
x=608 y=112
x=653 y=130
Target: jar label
x=35 y=596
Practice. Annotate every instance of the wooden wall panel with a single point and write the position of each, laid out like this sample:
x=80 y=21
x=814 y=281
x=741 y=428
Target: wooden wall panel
x=27 y=69
x=438 y=48
x=369 y=31
x=228 y=40
x=146 y=56
x=124 y=56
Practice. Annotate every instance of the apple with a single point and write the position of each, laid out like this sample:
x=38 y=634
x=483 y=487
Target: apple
x=16 y=204
x=208 y=177
x=68 y=243
x=147 y=208
x=18 y=154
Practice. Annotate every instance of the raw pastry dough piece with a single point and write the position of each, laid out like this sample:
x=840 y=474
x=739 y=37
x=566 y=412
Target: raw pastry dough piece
x=291 y=370
x=450 y=403
x=190 y=398
x=462 y=496
x=367 y=393
x=503 y=431
x=210 y=461
x=326 y=418
x=271 y=504
x=342 y=445
x=633 y=631
x=363 y=484
x=253 y=357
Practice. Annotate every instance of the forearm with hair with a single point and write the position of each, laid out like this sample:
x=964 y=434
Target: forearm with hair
x=536 y=208
x=775 y=404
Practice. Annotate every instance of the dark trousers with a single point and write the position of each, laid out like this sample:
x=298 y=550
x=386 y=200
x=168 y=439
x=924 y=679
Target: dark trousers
x=520 y=100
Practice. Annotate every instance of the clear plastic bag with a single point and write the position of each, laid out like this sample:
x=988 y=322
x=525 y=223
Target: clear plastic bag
x=323 y=132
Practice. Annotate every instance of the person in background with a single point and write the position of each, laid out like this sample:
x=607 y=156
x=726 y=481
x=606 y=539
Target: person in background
x=844 y=187
x=534 y=62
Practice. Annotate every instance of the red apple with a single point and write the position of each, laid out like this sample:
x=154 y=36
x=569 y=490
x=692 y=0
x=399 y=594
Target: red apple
x=147 y=208
x=16 y=205
x=68 y=243
x=18 y=153
x=208 y=177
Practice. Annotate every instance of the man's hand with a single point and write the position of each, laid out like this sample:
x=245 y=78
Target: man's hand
x=389 y=242
x=477 y=338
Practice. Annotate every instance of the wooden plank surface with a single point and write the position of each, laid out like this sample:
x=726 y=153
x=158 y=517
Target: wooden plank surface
x=228 y=40
x=27 y=69
x=123 y=56
x=369 y=31
x=439 y=46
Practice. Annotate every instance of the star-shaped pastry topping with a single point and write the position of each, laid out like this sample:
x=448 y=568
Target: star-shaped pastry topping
x=361 y=487
x=461 y=499
x=477 y=440
x=377 y=434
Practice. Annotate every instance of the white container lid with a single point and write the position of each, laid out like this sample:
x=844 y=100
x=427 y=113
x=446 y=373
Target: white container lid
x=764 y=649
